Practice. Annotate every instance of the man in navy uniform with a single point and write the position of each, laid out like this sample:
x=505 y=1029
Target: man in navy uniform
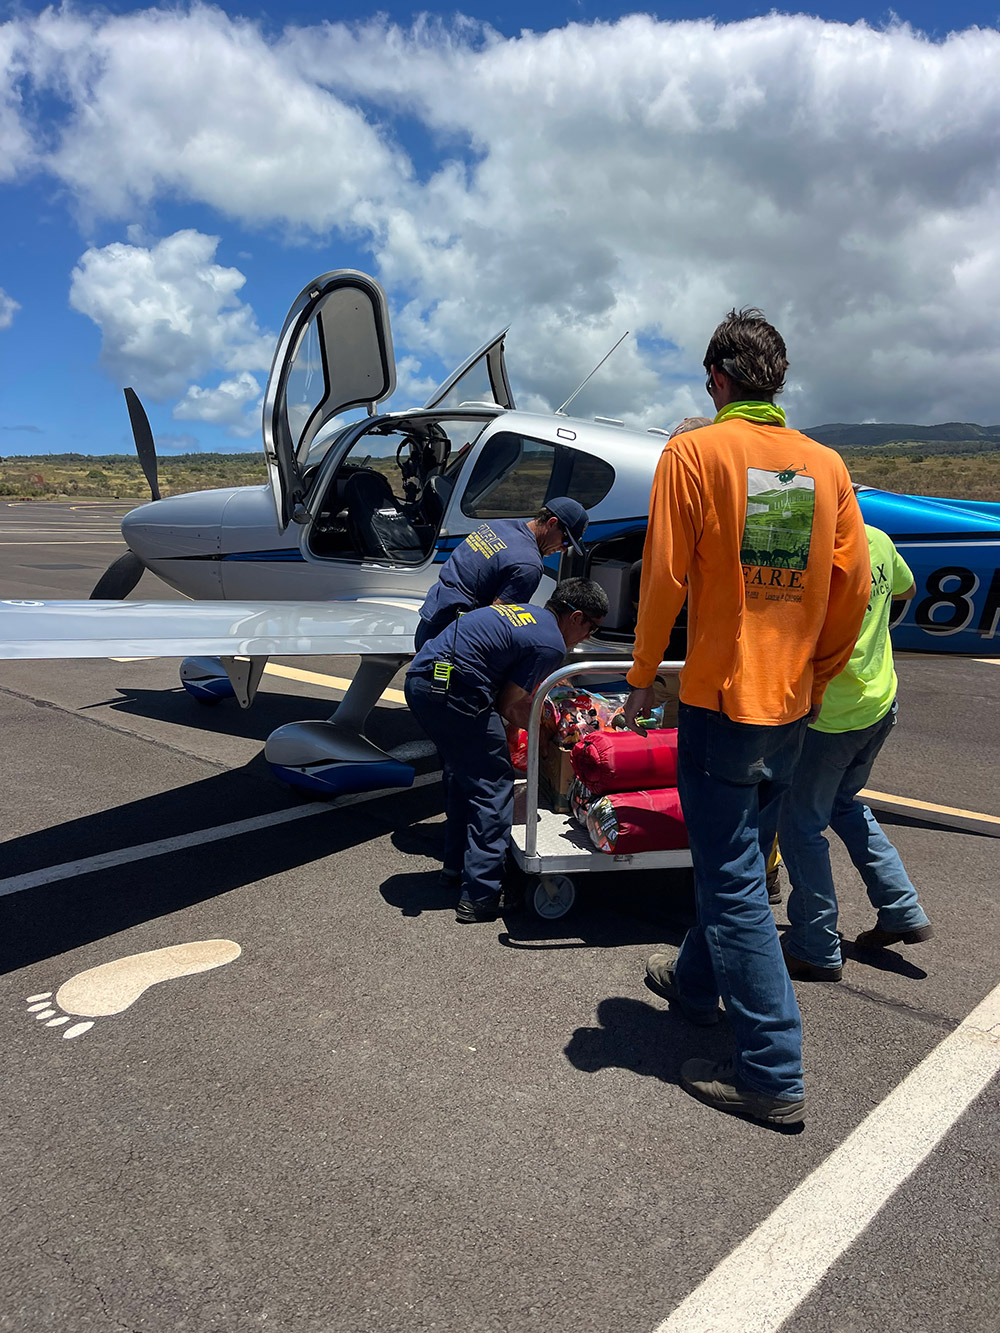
x=500 y=562
x=463 y=683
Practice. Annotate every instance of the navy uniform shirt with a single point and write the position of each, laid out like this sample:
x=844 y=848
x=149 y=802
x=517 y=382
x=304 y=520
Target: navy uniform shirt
x=490 y=647
x=499 y=562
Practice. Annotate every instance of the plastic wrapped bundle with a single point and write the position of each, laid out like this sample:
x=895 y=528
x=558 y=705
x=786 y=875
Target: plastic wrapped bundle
x=638 y=821
x=580 y=800
x=621 y=761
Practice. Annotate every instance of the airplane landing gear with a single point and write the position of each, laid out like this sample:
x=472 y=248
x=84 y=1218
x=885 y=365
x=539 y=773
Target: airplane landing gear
x=332 y=758
x=212 y=679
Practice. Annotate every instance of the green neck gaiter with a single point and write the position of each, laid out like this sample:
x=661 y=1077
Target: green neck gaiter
x=766 y=414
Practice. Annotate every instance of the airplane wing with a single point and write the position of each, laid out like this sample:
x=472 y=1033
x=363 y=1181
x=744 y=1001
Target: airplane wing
x=30 y=629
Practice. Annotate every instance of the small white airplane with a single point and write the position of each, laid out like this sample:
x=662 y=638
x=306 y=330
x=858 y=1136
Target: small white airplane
x=336 y=553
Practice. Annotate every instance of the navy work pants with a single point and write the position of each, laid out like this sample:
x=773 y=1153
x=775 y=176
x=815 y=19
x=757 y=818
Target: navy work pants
x=478 y=785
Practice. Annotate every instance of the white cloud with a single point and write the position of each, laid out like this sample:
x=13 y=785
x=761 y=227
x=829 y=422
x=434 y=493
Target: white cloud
x=226 y=405
x=167 y=313
x=201 y=106
x=642 y=174
x=8 y=307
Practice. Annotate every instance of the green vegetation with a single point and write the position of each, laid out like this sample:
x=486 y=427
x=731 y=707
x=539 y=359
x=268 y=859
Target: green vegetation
x=119 y=476
x=958 y=476
x=963 y=470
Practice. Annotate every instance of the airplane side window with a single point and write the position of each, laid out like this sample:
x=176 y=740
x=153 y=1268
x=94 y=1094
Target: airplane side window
x=514 y=476
x=590 y=478
x=511 y=478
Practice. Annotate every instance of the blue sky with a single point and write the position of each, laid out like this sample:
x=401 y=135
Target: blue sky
x=170 y=178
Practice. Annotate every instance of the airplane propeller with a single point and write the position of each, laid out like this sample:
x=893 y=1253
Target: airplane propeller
x=123 y=574
x=143 y=437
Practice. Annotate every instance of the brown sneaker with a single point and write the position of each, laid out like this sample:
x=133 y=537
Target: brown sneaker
x=800 y=970
x=877 y=938
x=715 y=1085
x=660 y=978
x=774 y=885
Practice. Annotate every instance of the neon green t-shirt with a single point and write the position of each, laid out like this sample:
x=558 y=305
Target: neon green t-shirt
x=863 y=692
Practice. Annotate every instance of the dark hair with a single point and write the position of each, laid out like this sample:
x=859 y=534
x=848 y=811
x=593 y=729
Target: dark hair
x=544 y=515
x=579 y=595
x=750 y=351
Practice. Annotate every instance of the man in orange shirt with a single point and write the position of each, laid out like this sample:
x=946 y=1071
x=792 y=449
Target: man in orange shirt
x=759 y=527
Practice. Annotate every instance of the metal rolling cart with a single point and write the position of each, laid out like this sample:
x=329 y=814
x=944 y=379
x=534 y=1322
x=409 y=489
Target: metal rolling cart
x=550 y=848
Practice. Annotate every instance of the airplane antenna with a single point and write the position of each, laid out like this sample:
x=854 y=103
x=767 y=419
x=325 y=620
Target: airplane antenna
x=561 y=411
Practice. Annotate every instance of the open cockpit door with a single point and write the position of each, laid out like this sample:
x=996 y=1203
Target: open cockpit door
x=480 y=379
x=334 y=353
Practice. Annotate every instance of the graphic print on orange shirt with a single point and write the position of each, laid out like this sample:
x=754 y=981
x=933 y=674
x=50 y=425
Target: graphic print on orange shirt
x=777 y=532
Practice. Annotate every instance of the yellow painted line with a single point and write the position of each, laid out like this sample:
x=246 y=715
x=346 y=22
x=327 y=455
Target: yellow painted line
x=945 y=814
x=296 y=673
x=330 y=682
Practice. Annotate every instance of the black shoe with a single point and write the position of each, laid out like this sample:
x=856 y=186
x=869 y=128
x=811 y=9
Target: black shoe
x=660 y=978
x=449 y=879
x=877 y=938
x=715 y=1085
x=482 y=909
x=800 y=970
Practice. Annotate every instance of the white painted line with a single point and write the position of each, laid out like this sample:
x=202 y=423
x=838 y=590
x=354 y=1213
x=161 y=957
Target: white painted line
x=768 y=1276
x=23 y=545
x=124 y=855
x=990 y=661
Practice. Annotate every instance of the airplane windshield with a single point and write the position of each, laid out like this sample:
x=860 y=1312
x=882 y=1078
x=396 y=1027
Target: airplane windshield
x=472 y=387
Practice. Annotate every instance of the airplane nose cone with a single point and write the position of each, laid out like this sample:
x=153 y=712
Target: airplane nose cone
x=181 y=525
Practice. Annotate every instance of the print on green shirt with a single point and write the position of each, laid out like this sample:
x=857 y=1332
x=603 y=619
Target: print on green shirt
x=779 y=518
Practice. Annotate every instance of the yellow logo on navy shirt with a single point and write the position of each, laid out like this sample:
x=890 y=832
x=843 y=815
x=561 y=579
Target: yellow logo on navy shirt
x=485 y=541
x=517 y=615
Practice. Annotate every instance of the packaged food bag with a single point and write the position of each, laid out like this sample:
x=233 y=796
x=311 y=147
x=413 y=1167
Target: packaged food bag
x=615 y=761
x=638 y=821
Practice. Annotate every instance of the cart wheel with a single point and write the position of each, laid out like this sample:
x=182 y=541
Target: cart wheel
x=553 y=896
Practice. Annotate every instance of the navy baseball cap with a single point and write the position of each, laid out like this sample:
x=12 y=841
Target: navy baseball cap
x=572 y=519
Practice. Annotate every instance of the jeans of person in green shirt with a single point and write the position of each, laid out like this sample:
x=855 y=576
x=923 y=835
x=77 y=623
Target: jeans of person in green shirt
x=832 y=769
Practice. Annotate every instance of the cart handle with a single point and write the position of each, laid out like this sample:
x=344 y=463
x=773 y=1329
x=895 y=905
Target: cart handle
x=619 y=666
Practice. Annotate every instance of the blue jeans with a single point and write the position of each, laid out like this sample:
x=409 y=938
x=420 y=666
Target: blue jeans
x=478 y=786
x=832 y=770
x=731 y=776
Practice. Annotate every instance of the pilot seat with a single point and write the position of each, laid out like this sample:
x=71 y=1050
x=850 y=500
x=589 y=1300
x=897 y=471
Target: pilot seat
x=378 y=528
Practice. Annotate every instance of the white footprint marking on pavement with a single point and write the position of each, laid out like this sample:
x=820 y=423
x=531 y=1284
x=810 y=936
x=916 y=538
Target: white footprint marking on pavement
x=113 y=987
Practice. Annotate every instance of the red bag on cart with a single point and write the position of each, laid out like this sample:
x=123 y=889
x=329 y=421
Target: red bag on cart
x=637 y=821
x=613 y=761
x=517 y=748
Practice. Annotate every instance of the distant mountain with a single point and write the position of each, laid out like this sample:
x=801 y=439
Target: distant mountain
x=877 y=435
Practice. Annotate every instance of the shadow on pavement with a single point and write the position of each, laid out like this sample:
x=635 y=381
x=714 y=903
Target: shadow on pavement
x=386 y=726
x=417 y=892
x=883 y=960
x=49 y=919
x=646 y=1040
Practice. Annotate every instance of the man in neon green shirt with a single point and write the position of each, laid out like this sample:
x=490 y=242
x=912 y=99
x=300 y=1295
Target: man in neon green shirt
x=858 y=712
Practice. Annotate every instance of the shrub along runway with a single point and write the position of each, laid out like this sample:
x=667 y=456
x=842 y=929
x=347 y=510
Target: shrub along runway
x=371 y=1118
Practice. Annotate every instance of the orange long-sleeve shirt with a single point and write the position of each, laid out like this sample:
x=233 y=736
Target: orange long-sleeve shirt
x=759 y=528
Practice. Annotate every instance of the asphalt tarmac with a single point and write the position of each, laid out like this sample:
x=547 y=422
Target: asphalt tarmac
x=374 y=1119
